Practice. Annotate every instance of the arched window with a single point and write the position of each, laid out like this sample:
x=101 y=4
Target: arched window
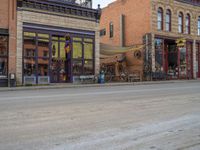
x=168 y=20
x=187 y=24
x=180 y=22
x=199 y=25
x=160 y=19
x=111 y=30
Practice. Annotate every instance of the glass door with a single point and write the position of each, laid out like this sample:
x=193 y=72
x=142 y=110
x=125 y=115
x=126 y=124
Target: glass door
x=60 y=61
x=182 y=63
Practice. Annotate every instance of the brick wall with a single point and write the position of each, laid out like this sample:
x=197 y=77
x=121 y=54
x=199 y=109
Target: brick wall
x=57 y=21
x=137 y=21
x=8 y=21
x=175 y=8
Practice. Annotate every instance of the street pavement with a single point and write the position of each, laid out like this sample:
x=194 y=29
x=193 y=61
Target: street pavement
x=142 y=117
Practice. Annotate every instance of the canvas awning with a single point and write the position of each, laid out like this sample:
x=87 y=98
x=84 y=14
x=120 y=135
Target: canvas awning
x=108 y=50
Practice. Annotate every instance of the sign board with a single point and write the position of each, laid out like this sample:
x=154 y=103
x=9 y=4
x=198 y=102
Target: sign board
x=181 y=42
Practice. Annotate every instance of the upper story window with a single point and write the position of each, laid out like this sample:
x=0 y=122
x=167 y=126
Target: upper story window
x=168 y=20
x=160 y=19
x=102 y=32
x=199 y=25
x=111 y=30
x=180 y=22
x=187 y=24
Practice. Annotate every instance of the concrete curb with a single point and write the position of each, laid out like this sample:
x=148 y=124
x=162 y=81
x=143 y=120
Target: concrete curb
x=63 y=86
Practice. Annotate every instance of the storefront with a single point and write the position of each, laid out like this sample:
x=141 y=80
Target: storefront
x=198 y=59
x=3 y=59
x=174 y=58
x=57 y=42
x=56 y=55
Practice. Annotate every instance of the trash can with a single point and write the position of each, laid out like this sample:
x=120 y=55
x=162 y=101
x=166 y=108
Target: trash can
x=101 y=77
x=12 y=80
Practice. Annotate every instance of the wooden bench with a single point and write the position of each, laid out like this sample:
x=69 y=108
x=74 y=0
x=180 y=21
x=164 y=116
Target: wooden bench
x=135 y=76
x=87 y=79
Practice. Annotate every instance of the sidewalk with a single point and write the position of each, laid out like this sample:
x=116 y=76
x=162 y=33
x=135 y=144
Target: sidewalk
x=70 y=85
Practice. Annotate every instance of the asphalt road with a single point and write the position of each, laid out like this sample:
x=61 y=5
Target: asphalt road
x=145 y=117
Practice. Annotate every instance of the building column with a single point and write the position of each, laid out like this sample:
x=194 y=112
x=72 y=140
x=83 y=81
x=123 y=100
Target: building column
x=153 y=53
x=97 y=52
x=19 y=58
x=195 y=63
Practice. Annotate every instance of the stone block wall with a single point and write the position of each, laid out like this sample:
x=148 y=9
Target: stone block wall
x=65 y=21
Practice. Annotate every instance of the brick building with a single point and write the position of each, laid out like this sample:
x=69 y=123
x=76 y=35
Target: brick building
x=7 y=39
x=169 y=30
x=57 y=40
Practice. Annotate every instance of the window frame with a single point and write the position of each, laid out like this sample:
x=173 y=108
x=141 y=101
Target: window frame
x=111 y=28
x=180 y=22
x=168 y=22
x=160 y=19
x=188 y=24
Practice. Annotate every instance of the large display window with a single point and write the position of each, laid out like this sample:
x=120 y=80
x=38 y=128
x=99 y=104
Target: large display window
x=3 y=56
x=56 y=56
x=159 y=49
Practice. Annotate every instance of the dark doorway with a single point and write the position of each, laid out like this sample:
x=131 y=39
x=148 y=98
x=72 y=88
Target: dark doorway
x=171 y=59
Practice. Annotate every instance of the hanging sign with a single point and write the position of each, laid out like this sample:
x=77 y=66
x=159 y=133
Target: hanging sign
x=181 y=42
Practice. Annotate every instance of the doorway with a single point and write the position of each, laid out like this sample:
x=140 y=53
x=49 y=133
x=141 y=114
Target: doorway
x=60 y=60
x=171 y=59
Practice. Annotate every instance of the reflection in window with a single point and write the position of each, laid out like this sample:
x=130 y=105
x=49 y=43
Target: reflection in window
x=29 y=55
x=43 y=48
x=160 y=19
x=77 y=67
x=3 y=56
x=88 y=67
x=43 y=65
x=183 y=62
x=62 y=50
x=29 y=67
x=180 y=22
x=55 y=49
x=159 y=54
x=77 y=50
x=88 y=51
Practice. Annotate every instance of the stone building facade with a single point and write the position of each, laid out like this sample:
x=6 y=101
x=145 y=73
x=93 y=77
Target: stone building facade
x=56 y=41
x=169 y=30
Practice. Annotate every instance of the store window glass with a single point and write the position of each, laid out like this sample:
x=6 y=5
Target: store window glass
x=43 y=48
x=62 y=51
x=29 y=56
x=3 y=56
x=159 y=54
x=55 y=49
x=77 y=50
x=43 y=55
x=77 y=67
x=88 y=67
x=88 y=51
x=183 y=63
